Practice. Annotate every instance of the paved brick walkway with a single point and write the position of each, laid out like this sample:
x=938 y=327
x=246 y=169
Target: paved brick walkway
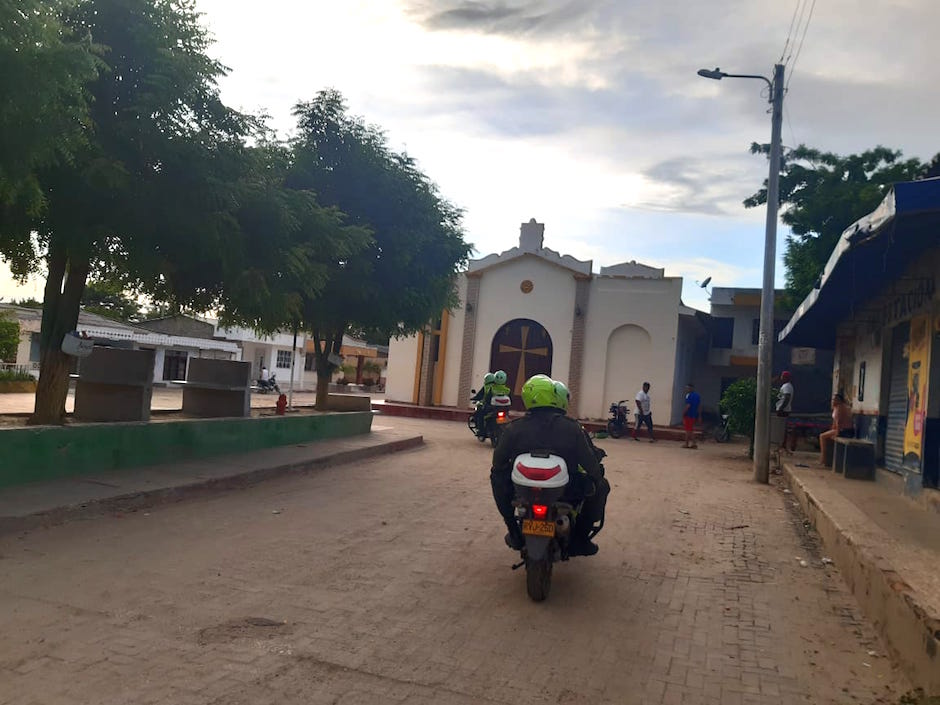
x=387 y=581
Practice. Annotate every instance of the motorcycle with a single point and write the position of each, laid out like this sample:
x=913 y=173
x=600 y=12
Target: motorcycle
x=722 y=431
x=493 y=421
x=548 y=502
x=268 y=385
x=619 y=421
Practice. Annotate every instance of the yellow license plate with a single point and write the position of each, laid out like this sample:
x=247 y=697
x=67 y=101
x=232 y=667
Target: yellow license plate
x=538 y=528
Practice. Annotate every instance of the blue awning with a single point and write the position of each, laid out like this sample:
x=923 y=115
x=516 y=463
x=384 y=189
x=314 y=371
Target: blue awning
x=872 y=251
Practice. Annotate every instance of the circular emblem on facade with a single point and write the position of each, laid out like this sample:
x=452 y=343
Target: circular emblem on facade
x=526 y=286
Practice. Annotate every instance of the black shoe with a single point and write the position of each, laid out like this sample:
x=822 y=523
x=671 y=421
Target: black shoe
x=582 y=547
x=515 y=541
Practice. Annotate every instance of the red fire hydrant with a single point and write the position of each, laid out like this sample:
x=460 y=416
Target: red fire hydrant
x=281 y=404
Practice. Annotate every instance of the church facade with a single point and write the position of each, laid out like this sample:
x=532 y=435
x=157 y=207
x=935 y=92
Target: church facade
x=531 y=310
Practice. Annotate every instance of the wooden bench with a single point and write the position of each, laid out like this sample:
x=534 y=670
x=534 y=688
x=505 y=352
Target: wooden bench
x=854 y=458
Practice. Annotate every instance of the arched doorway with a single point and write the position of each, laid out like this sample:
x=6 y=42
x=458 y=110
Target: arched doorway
x=629 y=362
x=521 y=348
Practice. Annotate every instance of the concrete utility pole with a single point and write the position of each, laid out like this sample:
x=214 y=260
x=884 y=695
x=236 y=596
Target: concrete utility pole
x=765 y=348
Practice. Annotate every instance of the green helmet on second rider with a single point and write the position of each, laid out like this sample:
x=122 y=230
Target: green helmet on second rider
x=540 y=391
x=489 y=378
x=499 y=377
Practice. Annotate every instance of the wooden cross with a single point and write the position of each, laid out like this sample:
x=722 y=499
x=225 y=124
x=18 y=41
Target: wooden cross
x=523 y=351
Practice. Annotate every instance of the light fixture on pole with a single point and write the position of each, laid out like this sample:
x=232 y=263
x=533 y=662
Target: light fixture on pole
x=765 y=346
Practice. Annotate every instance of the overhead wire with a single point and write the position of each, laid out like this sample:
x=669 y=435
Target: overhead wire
x=799 y=25
x=800 y=47
x=786 y=44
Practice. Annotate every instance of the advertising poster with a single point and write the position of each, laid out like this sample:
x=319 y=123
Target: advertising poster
x=917 y=379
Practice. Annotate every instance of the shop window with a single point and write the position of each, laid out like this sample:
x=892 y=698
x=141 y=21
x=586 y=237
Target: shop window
x=174 y=364
x=722 y=332
x=284 y=359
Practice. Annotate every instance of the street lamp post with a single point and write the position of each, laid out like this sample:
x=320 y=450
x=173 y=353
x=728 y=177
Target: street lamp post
x=765 y=346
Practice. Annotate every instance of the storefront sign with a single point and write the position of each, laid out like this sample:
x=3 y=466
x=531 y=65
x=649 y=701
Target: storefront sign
x=803 y=356
x=899 y=307
x=918 y=374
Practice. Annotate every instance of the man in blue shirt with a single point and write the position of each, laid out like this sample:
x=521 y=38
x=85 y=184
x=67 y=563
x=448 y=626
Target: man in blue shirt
x=692 y=403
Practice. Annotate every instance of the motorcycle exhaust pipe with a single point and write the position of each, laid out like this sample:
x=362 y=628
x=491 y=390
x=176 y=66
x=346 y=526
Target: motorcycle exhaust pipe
x=562 y=526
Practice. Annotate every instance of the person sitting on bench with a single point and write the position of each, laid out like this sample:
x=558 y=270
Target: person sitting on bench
x=842 y=425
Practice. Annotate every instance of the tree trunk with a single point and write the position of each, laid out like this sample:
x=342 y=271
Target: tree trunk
x=324 y=347
x=323 y=388
x=59 y=316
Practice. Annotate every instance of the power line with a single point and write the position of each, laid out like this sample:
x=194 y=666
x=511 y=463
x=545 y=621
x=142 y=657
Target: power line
x=800 y=47
x=799 y=25
x=786 y=44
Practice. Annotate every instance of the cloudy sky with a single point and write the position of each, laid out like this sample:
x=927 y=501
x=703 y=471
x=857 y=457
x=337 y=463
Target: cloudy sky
x=588 y=115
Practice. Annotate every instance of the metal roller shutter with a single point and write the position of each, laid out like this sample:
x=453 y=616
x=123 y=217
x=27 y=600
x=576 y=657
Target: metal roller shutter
x=897 y=399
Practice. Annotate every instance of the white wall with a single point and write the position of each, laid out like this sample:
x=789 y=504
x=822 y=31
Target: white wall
x=400 y=379
x=454 y=349
x=651 y=304
x=550 y=303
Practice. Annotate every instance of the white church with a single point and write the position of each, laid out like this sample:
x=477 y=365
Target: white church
x=531 y=310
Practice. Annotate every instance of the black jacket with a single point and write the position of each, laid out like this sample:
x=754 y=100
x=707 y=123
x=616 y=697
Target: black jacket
x=546 y=429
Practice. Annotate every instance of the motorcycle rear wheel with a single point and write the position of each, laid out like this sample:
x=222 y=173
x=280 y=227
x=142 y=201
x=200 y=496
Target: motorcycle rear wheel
x=614 y=429
x=494 y=433
x=722 y=435
x=538 y=579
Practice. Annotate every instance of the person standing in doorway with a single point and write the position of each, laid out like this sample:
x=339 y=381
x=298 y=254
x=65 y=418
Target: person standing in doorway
x=264 y=374
x=784 y=407
x=643 y=413
x=690 y=415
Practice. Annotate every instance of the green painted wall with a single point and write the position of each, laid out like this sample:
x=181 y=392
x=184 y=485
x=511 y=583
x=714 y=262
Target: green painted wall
x=48 y=452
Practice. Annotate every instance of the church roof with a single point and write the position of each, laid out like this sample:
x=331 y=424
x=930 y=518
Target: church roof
x=530 y=245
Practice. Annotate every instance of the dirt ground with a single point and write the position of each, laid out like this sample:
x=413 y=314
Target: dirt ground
x=388 y=581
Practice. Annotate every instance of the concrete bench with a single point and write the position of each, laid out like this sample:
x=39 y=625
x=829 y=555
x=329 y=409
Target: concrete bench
x=114 y=384
x=217 y=388
x=854 y=458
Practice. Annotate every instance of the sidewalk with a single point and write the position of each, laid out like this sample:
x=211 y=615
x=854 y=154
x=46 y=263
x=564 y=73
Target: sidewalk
x=887 y=547
x=47 y=503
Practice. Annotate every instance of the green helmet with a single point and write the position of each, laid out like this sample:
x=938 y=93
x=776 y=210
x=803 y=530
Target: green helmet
x=500 y=377
x=562 y=395
x=538 y=391
x=489 y=378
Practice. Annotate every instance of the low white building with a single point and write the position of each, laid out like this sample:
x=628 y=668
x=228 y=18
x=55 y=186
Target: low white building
x=531 y=310
x=171 y=352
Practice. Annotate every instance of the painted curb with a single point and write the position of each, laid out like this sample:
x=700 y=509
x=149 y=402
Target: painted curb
x=910 y=631
x=143 y=499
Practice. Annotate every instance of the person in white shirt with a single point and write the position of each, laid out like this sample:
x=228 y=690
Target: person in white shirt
x=264 y=373
x=643 y=413
x=785 y=406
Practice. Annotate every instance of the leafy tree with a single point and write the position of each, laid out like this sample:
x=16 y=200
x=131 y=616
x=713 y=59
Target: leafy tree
x=109 y=299
x=405 y=277
x=821 y=194
x=740 y=403
x=43 y=104
x=9 y=337
x=291 y=243
x=148 y=191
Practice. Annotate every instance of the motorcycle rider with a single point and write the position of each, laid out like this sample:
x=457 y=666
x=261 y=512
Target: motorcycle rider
x=483 y=395
x=546 y=427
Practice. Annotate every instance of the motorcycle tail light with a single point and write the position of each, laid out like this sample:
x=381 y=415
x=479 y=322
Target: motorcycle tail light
x=501 y=414
x=540 y=511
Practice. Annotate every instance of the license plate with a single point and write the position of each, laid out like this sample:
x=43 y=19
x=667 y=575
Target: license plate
x=538 y=528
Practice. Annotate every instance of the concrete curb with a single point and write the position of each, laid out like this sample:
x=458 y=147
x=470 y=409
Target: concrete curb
x=911 y=632
x=135 y=501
